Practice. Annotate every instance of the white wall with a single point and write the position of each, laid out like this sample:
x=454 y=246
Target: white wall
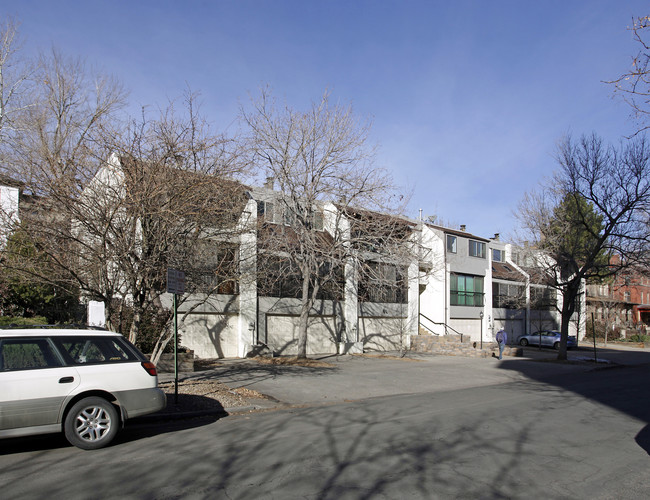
x=8 y=211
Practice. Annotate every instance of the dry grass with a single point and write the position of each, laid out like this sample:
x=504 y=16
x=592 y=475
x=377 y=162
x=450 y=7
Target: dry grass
x=206 y=394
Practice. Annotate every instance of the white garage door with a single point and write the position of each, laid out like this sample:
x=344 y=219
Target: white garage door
x=381 y=334
x=211 y=335
x=282 y=334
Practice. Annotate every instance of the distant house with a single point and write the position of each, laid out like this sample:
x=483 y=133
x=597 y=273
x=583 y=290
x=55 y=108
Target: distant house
x=621 y=303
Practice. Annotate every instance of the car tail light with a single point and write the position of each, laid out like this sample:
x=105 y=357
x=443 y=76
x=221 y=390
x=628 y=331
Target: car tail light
x=150 y=368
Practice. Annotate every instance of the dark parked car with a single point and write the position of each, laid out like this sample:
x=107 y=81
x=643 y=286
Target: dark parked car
x=549 y=338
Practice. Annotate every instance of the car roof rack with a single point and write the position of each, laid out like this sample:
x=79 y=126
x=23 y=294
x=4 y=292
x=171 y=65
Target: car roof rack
x=73 y=326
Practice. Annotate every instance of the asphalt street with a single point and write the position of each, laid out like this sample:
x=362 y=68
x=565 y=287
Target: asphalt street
x=512 y=429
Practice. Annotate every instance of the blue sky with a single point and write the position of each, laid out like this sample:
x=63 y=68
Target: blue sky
x=468 y=98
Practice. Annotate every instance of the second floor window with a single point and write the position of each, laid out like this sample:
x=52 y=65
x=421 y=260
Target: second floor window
x=383 y=283
x=542 y=298
x=466 y=290
x=508 y=296
x=451 y=243
x=497 y=255
x=476 y=249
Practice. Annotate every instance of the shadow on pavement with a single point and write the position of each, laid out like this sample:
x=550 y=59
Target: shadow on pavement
x=246 y=373
x=596 y=384
x=135 y=429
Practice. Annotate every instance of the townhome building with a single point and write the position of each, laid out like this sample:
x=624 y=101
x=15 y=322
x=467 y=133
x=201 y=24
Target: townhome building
x=450 y=282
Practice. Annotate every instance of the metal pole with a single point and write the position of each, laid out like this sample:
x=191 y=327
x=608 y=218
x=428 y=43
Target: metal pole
x=593 y=330
x=175 y=352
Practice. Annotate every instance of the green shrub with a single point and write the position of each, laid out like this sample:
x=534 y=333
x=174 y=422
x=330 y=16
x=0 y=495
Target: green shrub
x=18 y=321
x=639 y=338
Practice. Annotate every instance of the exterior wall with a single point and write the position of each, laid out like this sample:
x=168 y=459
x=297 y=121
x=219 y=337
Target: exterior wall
x=467 y=326
x=462 y=262
x=247 y=324
x=8 y=211
x=467 y=319
x=433 y=282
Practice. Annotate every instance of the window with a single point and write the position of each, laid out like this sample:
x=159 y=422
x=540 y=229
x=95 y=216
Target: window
x=27 y=354
x=93 y=350
x=627 y=296
x=497 y=255
x=451 y=243
x=466 y=290
x=383 y=283
x=281 y=278
x=266 y=211
x=290 y=215
x=542 y=298
x=507 y=296
x=477 y=249
x=214 y=268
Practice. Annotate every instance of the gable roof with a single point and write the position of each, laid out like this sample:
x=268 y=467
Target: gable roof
x=505 y=271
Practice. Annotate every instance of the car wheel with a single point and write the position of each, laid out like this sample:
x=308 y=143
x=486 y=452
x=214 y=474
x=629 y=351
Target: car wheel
x=556 y=346
x=523 y=342
x=91 y=423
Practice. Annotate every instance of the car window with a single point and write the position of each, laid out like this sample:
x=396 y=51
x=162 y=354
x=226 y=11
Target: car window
x=27 y=354
x=92 y=350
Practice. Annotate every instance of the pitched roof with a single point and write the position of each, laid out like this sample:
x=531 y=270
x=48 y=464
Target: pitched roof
x=504 y=271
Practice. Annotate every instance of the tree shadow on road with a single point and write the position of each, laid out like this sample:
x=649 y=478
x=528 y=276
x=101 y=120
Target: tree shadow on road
x=594 y=384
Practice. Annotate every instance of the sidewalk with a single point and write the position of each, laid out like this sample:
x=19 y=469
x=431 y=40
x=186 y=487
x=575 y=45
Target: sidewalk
x=352 y=378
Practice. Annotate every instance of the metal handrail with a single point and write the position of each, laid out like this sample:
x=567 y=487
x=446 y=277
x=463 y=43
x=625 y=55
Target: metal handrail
x=447 y=327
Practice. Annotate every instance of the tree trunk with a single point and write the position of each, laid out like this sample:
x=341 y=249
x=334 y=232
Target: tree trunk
x=304 y=318
x=135 y=324
x=568 y=307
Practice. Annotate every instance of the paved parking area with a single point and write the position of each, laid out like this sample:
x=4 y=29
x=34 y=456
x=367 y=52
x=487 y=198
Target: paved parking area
x=349 y=378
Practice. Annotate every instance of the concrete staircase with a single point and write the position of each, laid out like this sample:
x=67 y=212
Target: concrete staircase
x=454 y=345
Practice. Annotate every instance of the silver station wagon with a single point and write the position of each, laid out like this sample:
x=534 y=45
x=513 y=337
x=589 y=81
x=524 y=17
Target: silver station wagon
x=85 y=383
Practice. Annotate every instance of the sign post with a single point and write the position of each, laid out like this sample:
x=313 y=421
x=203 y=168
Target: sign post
x=175 y=286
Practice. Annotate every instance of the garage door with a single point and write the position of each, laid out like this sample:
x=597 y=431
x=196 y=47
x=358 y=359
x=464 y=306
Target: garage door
x=381 y=334
x=211 y=335
x=282 y=334
x=514 y=328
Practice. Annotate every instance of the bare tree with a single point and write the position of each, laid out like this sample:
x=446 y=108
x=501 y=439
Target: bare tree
x=15 y=79
x=175 y=205
x=329 y=200
x=52 y=150
x=634 y=85
x=596 y=206
x=111 y=204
